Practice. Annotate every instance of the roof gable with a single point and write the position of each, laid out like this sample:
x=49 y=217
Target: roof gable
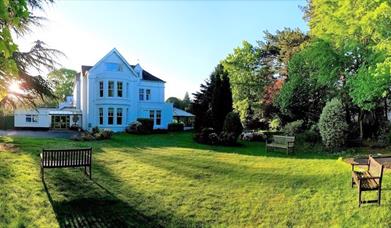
x=107 y=56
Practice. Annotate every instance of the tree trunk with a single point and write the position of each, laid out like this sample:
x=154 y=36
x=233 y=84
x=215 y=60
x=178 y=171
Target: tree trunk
x=360 y=122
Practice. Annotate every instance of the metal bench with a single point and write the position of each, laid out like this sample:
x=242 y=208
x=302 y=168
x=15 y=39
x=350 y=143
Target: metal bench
x=282 y=142
x=368 y=180
x=67 y=158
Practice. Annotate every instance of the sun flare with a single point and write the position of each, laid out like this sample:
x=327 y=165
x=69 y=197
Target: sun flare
x=15 y=88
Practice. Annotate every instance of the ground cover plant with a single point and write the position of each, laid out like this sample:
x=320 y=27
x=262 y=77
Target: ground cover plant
x=169 y=180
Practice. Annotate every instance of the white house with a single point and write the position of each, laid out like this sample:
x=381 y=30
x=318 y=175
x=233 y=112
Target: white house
x=111 y=94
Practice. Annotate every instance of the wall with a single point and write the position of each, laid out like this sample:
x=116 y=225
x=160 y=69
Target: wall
x=44 y=120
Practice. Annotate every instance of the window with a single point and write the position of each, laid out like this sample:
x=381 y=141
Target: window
x=141 y=94
x=158 y=117
x=111 y=89
x=101 y=89
x=113 y=67
x=119 y=116
x=31 y=118
x=119 y=89
x=147 y=94
x=101 y=116
x=151 y=114
x=110 y=116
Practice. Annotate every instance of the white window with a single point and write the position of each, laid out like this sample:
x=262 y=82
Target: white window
x=110 y=92
x=158 y=117
x=101 y=116
x=141 y=94
x=147 y=94
x=31 y=118
x=113 y=66
x=110 y=116
x=119 y=89
x=151 y=114
x=101 y=89
x=119 y=116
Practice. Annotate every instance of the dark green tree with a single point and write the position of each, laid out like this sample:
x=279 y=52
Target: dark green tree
x=62 y=81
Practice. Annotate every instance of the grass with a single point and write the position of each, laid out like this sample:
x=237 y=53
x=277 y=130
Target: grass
x=168 y=180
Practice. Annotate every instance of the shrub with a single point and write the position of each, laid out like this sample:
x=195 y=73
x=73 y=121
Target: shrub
x=147 y=124
x=311 y=136
x=203 y=135
x=228 y=138
x=232 y=124
x=176 y=127
x=274 y=124
x=253 y=136
x=133 y=127
x=332 y=124
x=293 y=128
x=95 y=130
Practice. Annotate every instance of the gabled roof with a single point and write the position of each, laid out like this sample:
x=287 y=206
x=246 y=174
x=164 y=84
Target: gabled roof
x=145 y=74
x=150 y=77
x=114 y=50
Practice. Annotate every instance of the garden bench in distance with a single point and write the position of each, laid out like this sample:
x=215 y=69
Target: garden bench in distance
x=282 y=142
x=63 y=158
x=368 y=180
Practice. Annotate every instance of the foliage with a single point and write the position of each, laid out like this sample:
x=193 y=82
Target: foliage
x=141 y=126
x=232 y=124
x=16 y=66
x=332 y=124
x=313 y=77
x=214 y=100
x=251 y=122
x=228 y=138
x=206 y=136
x=275 y=124
x=175 y=127
x=293 y=128
x=254 y=69
x=61 y=81
x=181 y=104
x=221 y=103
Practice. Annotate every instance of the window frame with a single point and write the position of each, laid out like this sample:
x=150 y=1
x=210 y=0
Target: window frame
x=110 y=117
x=119 y=117
x=120 y=89
x=110 y=91
x=141 y=94
x=101 y=116
x=158 y=117
x=34 y=118
x=147 y=94
x=101 y=89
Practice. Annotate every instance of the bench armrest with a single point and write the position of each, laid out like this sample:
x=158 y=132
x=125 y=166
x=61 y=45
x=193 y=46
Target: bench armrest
x=368 y=178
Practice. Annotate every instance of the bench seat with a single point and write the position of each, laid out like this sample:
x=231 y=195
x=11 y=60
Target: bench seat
x=282 y=142
x=368 y=180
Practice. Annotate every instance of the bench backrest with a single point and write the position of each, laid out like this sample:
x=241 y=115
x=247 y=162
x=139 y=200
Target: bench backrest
x=66 y=157
x=281 y=139
x=375 y=168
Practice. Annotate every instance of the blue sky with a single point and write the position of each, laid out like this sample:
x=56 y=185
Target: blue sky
x=179 y=41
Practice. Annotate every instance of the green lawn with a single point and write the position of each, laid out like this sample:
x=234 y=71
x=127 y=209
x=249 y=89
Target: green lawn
x=168 y=180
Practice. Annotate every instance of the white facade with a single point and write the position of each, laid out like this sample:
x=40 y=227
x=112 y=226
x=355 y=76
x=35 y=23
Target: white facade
x=111 y=94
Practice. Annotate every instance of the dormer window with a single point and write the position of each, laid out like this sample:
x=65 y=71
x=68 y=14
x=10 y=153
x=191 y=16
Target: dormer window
x=113 y=67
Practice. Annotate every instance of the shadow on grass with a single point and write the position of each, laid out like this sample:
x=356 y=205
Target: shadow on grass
x=94 y=207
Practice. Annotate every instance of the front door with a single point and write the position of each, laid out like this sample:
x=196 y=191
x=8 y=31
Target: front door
x=60 y=122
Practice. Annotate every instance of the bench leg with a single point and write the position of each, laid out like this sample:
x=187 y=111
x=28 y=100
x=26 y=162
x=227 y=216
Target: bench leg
x=359 y=198
x=90 y=172
x=42 y=173
x=379 y=196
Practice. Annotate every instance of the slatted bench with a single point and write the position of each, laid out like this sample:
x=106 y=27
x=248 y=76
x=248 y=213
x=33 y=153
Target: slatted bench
x=67 y=158
x=282 y=142
x=368 y=180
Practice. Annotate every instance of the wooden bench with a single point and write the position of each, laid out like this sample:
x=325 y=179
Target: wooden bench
x=368 y=180
x=67 y=158
x=282 y=142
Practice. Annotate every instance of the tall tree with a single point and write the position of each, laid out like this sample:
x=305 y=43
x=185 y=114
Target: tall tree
x=16 y=66
x=186 y=101
x=62 y=81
